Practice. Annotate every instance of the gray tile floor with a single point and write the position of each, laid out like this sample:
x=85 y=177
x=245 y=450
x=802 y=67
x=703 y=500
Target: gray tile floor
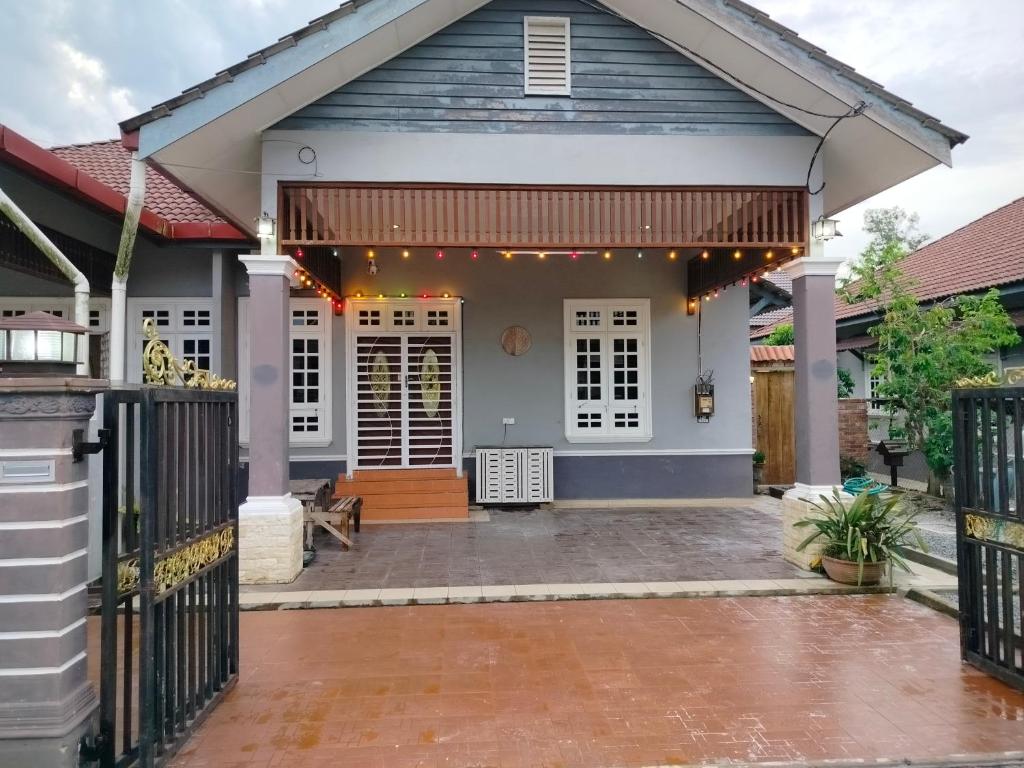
x=549 y=546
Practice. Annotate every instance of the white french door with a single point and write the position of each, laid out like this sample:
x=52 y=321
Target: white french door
x=404 y=382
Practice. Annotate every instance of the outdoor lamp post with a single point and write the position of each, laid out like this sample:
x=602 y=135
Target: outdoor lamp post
x=39 y=344
x=825 y=229
x=47 y=703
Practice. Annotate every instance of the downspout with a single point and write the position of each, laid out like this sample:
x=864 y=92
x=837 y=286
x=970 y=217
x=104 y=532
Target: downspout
x=69 y=270
x=119 y=283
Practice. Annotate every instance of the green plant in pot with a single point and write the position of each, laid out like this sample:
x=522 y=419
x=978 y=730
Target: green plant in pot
x=863 y=536
x=758 y=468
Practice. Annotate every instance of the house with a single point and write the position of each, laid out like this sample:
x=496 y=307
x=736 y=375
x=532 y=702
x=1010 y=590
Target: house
x=984 y=254
x=520 y=223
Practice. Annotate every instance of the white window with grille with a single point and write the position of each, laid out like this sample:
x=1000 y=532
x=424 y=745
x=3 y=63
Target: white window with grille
x=607 y=370
x=546 y=55
x=309 y=356
x=184 y=325
x=872 y=383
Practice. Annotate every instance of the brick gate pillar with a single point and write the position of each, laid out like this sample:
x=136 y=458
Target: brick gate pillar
x=270 y=520
x=816 y=402
x=47 y=703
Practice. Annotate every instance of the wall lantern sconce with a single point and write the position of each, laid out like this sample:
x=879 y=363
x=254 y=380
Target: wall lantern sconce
x=39 y=344
x=825 y=229
x=266 y=227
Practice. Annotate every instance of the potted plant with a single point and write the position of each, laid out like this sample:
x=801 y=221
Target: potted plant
x=758 y=468
x=863 y=537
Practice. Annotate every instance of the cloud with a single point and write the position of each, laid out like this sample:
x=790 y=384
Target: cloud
x=96 y=104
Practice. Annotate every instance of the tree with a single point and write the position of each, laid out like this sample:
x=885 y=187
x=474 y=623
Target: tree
x=923 y=350
x=781 y=336
x=893 y=225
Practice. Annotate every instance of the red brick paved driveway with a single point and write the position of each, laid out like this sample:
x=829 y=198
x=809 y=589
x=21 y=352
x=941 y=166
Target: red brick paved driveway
x=605 y=683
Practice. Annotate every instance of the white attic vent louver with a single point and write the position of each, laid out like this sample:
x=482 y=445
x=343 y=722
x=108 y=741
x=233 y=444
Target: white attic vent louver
x=547 y=55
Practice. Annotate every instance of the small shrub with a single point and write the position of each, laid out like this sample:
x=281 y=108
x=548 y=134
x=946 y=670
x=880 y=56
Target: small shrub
x=850 y=466
x=759 y=457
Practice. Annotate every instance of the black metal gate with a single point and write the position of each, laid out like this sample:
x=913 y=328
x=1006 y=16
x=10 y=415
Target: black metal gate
x=169 y=627
x=988 y=432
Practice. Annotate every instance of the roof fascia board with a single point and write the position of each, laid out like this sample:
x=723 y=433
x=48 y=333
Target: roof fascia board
x=830 y=75
x=237 y=89
x=835 y=93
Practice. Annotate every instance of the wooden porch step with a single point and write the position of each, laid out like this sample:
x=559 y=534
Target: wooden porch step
x=376 y=487
x=374 y=475
x=408 y=494
x=416 y=513
x=412 y=500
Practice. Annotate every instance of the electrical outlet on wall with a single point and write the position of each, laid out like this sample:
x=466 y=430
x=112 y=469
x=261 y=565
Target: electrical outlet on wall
x=508 y=421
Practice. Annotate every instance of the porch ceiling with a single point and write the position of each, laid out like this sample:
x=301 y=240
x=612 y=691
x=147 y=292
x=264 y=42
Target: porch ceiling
x=209 y=138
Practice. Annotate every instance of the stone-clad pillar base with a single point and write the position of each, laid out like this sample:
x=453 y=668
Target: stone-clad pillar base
x=269 y=540
x=47 y=702
x=797 y=505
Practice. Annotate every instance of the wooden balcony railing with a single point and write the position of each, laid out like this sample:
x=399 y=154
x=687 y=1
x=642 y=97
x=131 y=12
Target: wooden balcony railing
x=427 y=215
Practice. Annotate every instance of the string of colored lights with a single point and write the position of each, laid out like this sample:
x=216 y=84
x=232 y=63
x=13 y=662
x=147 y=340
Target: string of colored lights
x=308 y=281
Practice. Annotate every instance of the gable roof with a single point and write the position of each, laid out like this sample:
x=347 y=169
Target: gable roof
x=98 y=173
x=222 y=118
x=986 y=253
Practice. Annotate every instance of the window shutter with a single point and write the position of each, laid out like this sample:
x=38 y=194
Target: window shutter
x=547 y=60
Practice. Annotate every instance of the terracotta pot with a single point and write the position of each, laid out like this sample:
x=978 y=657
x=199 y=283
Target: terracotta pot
x=845 y=571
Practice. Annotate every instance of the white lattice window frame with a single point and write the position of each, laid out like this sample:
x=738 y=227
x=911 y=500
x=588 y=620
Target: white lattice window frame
x=99 y=308
x=871 y=384
x=182 y=324
x=607 y=320
x=322 y=332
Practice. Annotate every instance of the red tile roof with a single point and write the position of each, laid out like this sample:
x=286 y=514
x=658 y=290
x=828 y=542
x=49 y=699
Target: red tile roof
x=99 y=173
x=987 y=253
x=111 y=164
x=762 y=353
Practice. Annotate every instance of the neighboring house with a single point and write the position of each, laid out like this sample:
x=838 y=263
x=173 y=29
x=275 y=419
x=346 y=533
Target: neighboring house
x=521 y=223
x=185 y=256
x=986 y=253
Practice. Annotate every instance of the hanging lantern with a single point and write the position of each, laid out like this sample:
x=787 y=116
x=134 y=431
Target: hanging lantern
x=825 y=229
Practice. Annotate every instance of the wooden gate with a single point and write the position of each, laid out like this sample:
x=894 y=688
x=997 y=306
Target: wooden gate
x=774 y=432
x=988 y=465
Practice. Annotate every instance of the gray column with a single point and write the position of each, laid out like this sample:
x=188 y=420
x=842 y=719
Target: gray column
x=46 y=700
x=270 y=521
x=816 y=402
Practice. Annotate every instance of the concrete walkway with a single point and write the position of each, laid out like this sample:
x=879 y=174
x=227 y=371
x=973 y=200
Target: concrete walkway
x=606 y=683
x=708 y=540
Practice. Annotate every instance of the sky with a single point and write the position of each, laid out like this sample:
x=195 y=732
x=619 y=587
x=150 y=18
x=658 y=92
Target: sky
x=74 y=68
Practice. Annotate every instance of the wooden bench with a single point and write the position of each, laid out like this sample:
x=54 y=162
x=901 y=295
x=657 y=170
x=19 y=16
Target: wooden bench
x=319 y=509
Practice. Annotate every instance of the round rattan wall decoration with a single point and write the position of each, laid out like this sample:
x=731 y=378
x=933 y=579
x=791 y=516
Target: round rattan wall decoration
x=516 y=340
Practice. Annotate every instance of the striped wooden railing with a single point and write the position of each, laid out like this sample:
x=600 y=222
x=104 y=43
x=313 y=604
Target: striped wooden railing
x=470 y=216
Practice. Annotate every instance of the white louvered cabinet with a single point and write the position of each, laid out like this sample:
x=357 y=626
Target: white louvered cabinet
x=514 y=475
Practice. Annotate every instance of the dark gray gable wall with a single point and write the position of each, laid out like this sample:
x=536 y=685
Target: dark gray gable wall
x=469 y=78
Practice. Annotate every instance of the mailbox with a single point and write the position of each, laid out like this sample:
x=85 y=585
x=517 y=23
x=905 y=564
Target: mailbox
x=892 y=453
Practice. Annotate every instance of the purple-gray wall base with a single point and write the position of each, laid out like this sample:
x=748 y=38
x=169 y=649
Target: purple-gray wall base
x=687 y=476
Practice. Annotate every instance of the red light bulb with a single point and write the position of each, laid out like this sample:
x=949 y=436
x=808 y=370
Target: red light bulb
x=440 y=254
x=474 y=255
